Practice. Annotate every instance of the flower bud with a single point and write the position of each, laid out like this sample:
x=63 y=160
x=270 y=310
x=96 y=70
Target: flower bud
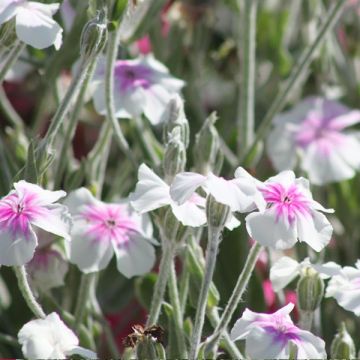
x=93 y=36
x=7 y=34
x=174 y=117
x=207 y=153
x=173 y=230
x=343 y=346
x=216 y=212
x=174 y=157
x=146 y=349
x=310 y=290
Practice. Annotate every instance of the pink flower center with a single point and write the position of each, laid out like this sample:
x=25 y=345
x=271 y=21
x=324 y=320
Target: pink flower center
x=288 y=202
x=130 y=76
x=109 y=222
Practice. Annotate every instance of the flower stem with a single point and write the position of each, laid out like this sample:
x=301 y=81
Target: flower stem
x=10 y=113
x=306 y=320
x=178 y=317
x=235 y=298
x=211 y=253
x=11 y=59
x=160 y=286
x=27 y=293
x=246 y=50
x=295 y=76
x=109 y=96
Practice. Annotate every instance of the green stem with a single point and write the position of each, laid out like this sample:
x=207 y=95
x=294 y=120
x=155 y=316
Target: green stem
x=10 y=113
x=109 y=96
x=11 y=59
x=294 y=78
x=184 y=285
x=27 y=293
x=246 y=50
x=306 y=320
x=178 y=317
x=160 y=286
x=210 y=261
x=235 y=298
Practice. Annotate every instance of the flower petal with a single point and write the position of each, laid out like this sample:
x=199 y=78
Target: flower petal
x=157 y=97
x=84 y=353
x=310 y=346
x=79 y=198
x=8 y=10
x=283 y=272
x=189 y=214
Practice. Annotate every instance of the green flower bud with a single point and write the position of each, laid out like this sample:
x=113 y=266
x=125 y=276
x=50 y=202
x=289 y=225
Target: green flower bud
x=173 y=230
x=310 y=290
x=118 y=10
x=343 y=346
x=216 y=213
x=175 y=156
x=7 y=34
x=174 y=117
x=93 y=36
x=207 y=147
x=146 y=349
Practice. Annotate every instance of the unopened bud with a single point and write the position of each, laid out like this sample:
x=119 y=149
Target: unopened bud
x=173 y=230
x=343 y=346
x=174 y=117
x=207 y=147
x=93 y=36
x=7 y=34
x=146 y=349
x=175 y=156
x=310 y=290
x=216 y=213
x=118 y=10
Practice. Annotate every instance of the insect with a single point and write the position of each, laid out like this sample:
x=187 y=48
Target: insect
x=156 y=332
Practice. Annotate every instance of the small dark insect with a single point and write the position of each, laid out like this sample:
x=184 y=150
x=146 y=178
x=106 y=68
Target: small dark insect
x=140 y=332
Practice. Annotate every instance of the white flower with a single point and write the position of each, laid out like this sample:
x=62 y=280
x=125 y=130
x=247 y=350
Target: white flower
x=268 y=336
x=291 y=214
x=315 y=129
x=50 y=338
x=102 y=229
x=34 y=23
x=22 y=211
x=152 y=193
x=142 y=85
x=345 y=288
x=287 y=269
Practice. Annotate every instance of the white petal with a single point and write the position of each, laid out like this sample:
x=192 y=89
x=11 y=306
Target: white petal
x=232 y=222
x=46 y=9
x=36 y=28
x=150 y=193
x=347 y=150
x=264 y=228
x=184 y=185
x=135 y=258
x=79 y=198
x=345 y=120
x=310 y=346
x=8 y=10
x=286 y=178
x=283 y=272
x=243 y=326
x=328 y=269
x=316 y=231
x=16 y=250
x=131 y=102
x=85 y=353
x=189 y=214
x=156 y=99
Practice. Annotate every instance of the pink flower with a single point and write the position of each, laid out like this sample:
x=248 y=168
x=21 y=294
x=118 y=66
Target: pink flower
x=22 y=211
x=291 y=214
x=144 y=45
x=102 y=229
x=268 y=336
x=315 y=129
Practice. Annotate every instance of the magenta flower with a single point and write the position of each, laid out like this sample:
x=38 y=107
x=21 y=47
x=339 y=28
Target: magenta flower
x=315 y=130
x=142 y=85
x=101 y=229
x=291 y=214
x=21 y=211
x=269 y=336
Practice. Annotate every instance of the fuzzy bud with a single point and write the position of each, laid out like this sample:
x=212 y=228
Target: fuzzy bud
x=173 y=230
x=310 y=290
x=146 y=349
x=93 y=36
x=343 y=346
x=207 y=153
x=7 y=34
x=216 y=213
x=174 y=117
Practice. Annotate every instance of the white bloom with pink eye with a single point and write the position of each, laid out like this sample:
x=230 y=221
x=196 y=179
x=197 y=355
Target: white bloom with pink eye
x=345 y=288
x=24 y=209
x=287 y=269
x=101 y=230
x=291 y=214
x=141 y=86
x=50 y=338
x=152 y=193
x=316 y=131
x=270 y=336
x=33 y=22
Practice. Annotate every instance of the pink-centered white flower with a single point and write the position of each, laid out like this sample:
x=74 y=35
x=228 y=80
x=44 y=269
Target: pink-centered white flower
x=287 y=269
x=101 y=230
x=33 y=22
x=291 y=214
x=24 y=209
x=141 y=86
x=345 y=288
x=152 y=193
x=315 y=131
x=50 y=338
x=270 y=336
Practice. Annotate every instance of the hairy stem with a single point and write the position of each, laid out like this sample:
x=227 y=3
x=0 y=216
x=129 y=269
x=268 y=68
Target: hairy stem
x=10 y=60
